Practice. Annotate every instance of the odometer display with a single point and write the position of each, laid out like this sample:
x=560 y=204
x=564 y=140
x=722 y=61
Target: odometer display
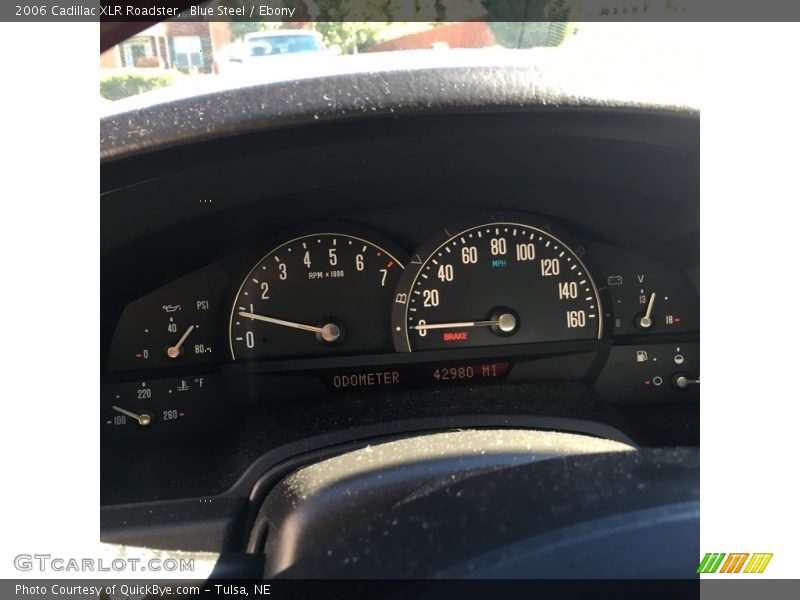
x=316 y=295
x=492 y=284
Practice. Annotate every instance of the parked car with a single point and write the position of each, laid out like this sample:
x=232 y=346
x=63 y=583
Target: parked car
x=285 y=41
x=264 y=51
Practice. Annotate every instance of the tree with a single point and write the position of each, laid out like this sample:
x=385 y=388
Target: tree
x=349 y=36
x=241 y=28
x=518 y=24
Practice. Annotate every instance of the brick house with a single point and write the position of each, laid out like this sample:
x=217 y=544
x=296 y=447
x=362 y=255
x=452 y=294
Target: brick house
x=180 y=45
x=469 y=34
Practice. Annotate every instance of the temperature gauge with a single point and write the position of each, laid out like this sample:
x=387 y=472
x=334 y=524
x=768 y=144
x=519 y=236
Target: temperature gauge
x=174 y=325
x=160 y=408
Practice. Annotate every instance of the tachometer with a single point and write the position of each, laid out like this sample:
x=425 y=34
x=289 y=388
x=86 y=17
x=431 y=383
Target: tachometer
x=324 y=293
x=492 y=283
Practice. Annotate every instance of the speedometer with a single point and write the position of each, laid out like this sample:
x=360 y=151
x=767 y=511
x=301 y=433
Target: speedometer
x=318 y=294
x=492 y=283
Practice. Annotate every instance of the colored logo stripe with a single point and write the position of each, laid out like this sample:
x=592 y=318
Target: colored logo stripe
x=758 y=563
x=710 y=562
x=733 y=564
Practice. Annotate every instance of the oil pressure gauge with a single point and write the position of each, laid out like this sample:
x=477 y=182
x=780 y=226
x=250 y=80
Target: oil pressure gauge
x=174 y=325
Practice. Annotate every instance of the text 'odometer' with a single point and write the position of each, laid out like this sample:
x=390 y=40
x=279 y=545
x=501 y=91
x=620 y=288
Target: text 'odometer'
x=325 y=293
x=495 y=283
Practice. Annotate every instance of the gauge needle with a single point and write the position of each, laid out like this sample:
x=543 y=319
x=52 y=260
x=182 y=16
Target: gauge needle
x=329 y=332
x=456 y=325
x=646 y=321
x=175 y=351
x=505 y=322
x=143 y=419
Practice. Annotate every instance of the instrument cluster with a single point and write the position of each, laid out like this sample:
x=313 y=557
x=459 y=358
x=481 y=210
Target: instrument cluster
x=336 y=307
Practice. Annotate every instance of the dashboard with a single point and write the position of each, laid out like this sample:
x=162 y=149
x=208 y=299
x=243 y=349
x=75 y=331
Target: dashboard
x=269 y=291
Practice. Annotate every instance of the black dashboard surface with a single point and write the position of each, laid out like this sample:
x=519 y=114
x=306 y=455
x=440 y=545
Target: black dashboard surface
x=187 y=215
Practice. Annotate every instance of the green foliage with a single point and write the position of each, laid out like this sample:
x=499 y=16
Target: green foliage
x=530 y=35
x=529 y=23
x=528 y=10
x=355 y=26
x=118 y=86
x=393 y=11
x=349 y=36
x=241 y=28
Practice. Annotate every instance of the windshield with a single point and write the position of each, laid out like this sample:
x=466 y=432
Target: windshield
x=283 y=44
x=179 y=59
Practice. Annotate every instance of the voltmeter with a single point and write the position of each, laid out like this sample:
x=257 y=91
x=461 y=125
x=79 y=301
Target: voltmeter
x=647 y=296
